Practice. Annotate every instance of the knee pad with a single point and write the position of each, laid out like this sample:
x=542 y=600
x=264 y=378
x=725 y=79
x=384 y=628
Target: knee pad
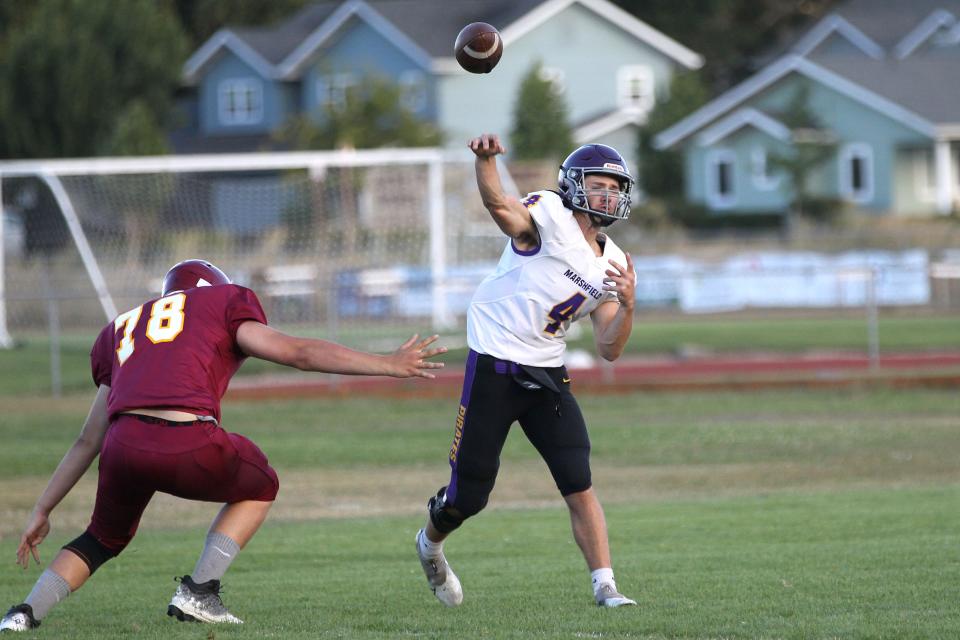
x=445 y=519
x=90 y=550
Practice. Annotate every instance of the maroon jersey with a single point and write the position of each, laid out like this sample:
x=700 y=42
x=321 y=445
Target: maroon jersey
x=175 y=352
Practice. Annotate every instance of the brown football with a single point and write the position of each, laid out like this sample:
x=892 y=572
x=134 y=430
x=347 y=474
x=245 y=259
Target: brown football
x=478 y=47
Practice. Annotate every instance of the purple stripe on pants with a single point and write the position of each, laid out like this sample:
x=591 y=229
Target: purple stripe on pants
x=468 y=375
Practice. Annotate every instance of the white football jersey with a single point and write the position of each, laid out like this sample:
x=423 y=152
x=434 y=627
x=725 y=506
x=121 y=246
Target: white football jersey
x=521 y=312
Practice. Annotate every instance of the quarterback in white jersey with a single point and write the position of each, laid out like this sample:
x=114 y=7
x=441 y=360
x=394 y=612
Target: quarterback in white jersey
x=558 y=266
x=521 y=312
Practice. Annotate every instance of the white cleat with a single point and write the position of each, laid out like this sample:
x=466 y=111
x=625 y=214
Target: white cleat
x=194 y=602
x=441 y=578
x=19 y=618
x=608 y=596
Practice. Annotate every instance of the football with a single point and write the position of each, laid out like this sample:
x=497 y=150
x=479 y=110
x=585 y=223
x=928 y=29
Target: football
x=478 y=47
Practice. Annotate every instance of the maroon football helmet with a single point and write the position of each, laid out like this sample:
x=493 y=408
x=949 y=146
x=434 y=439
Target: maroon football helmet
x=190 y=274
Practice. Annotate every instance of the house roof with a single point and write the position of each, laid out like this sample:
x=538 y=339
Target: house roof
x=925 y=84
x=747 y=116
x=773 y=73
x=276 y=42
x=426 y=28
x=434 y=24
x=887 y=21
x=599 y=125
x=888 y=70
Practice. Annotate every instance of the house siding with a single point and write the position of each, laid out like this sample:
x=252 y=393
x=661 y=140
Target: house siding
x=914 y=176
x=229 y=67
x=589 y=50
x=852 y=123
x=361 y=50
x=749 y=196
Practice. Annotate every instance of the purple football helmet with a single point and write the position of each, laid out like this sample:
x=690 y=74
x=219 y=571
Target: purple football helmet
x=595 y=159
x=190 y=274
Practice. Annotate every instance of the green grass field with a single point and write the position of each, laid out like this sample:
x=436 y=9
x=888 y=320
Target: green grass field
x=26 y=368
x=815 y=514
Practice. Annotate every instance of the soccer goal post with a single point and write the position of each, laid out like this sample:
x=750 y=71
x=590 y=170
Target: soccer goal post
x=361 y=246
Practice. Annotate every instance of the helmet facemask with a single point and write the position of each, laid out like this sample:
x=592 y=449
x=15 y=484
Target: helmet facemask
x=578 y=196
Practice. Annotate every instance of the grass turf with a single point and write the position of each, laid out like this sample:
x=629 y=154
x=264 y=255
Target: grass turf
x=767 y=515
x=852 y=564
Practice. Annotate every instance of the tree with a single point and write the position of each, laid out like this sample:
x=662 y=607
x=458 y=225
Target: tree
x=811 y=145
x=144 y=197
x=733 y=36
x=541 y=130
x=136 y=132
x=661 y=173
x=72 y=67
x=202 y=18
x=371 y=115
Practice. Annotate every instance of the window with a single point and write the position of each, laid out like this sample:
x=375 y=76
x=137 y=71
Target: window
x=240 y=101
x=856 y=172
x=721 y=178
x=635 y=88
x=762 y=178
x=332 y=90
x=413 y=90
x=556 y=77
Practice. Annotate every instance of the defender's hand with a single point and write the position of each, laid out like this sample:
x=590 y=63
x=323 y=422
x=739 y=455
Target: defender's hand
x=486 y=146
x=36 y=530
x=623 y=280
x=410 y=360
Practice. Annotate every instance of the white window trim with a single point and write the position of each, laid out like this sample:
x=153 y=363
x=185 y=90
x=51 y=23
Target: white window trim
x=233 y=85
x=714 y=158
x=847 y=154
x=924 y=176
x=956 y=165
x=413 y=90
x=340 y=83
x=557 y=78
x=625 y=75
x=762 y=180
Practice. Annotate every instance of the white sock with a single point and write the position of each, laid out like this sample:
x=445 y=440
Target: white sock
x=602 y=576
x=429 y=548
x=50 y=589
x=219 y=551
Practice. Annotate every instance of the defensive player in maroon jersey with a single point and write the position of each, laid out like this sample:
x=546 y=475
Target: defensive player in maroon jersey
x=161 y=370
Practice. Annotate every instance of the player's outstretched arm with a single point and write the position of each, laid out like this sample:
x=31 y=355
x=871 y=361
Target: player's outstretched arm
x=508 y=212
x=411 y=359
x=74 y=464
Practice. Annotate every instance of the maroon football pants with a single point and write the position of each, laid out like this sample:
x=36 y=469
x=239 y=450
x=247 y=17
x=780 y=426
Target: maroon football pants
x=196 y=462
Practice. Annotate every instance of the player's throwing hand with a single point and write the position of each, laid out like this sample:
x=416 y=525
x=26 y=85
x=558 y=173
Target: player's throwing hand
x=487 y=145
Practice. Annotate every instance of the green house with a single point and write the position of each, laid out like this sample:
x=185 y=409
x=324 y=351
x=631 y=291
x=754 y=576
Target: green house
x=881 y=81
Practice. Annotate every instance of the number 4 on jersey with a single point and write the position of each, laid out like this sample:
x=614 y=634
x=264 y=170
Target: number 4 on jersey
x=562 y=311
x=165 y=324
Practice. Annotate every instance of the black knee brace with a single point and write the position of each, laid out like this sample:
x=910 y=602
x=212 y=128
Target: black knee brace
x=90 y=550
x=445 y=519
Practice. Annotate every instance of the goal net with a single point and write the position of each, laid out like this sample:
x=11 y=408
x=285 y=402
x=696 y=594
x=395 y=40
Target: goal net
x=360 y=247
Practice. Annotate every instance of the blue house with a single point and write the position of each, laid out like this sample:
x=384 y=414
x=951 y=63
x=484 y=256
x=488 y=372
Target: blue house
x=881 y=78
x=244 y=83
